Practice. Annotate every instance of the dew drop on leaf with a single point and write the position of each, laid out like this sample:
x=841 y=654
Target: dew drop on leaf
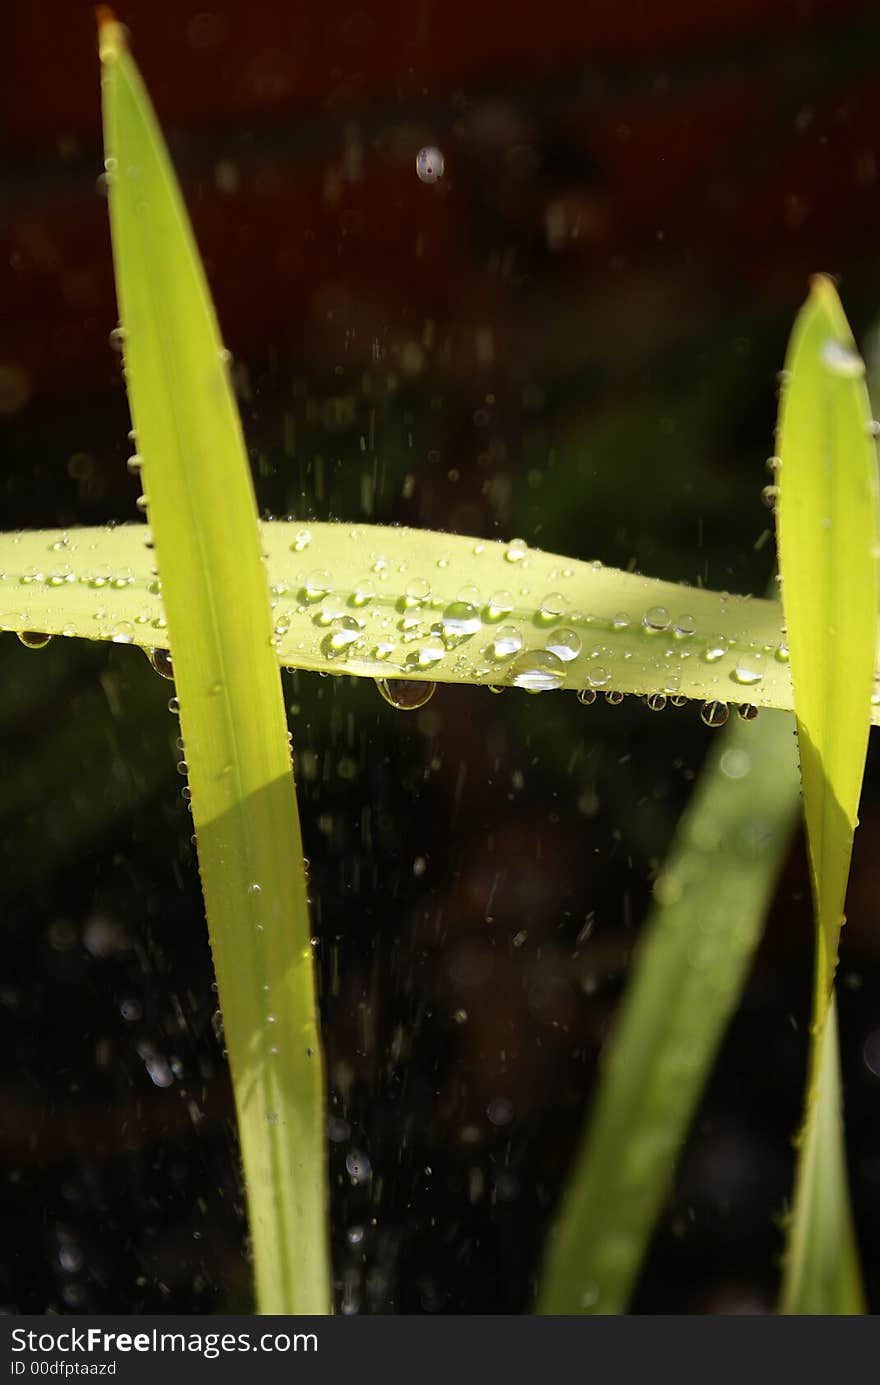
x=406 y=694
x=714 y=713
x=161 y=661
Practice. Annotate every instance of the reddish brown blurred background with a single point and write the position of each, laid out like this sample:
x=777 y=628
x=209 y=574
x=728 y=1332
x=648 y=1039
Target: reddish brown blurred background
x=572 y=336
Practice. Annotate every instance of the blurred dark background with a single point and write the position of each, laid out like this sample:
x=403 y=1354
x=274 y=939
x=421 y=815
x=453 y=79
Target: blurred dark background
x=572 y=337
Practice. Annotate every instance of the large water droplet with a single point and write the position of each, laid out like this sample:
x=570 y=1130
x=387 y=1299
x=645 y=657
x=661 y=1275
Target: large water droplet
x=507 y=642
x=714 y=713
x=537 y=671
x=459 y=622
x=656 y=619
x=564 y=643
x=161 y=661
x=552 y=607
x=747 y=674
x=500 y=604
x=33 y=639
x=317 y=584
x=405 y=694
x=417 y=591
x=347 y=632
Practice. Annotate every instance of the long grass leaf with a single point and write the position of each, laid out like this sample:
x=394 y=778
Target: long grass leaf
x=376 y=601
x=827 y=533
x=207 y=551
x=711 y=899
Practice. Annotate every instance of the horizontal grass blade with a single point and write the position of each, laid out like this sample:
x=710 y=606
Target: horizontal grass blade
x=828 y=545
x=384 y=602
x=689 y=969
x=207 y=551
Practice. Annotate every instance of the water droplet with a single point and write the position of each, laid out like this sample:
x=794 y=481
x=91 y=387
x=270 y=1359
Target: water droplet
x=715 y=649
x=621 y=621
x=515 y=551
x=769 y=496
x=656 y=701
x=459 y=622
x=564 y=643
x=426 y=657
x=500 y=605
x=781 y=655
x=348 y=631
x=552 y=607
x=405 y=694
x=122 y=632
x=773 y=464
x=656 y=619
x=430 y=164
x=417 y=592
x=684 y=627
x=746 y=711
x=588 y=696
x=537 y=671
x=598 y=676
x=134 y=463
x=301 y=540
x=32 y=639
x=117 y=339
x=161 y=661
x=255 y=887
x=507 y=642
x=614 y=698
x=714 y=713
x=842 y=360
x=747 y=675
x=318 y=584
x=358 y=1166
x=174 y=706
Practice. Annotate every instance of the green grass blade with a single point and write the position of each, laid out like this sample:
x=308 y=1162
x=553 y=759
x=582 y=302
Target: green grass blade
x=827 y=534
x=822 y=1265
x=687 y=977
x=207 y=550
x=99 y=584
